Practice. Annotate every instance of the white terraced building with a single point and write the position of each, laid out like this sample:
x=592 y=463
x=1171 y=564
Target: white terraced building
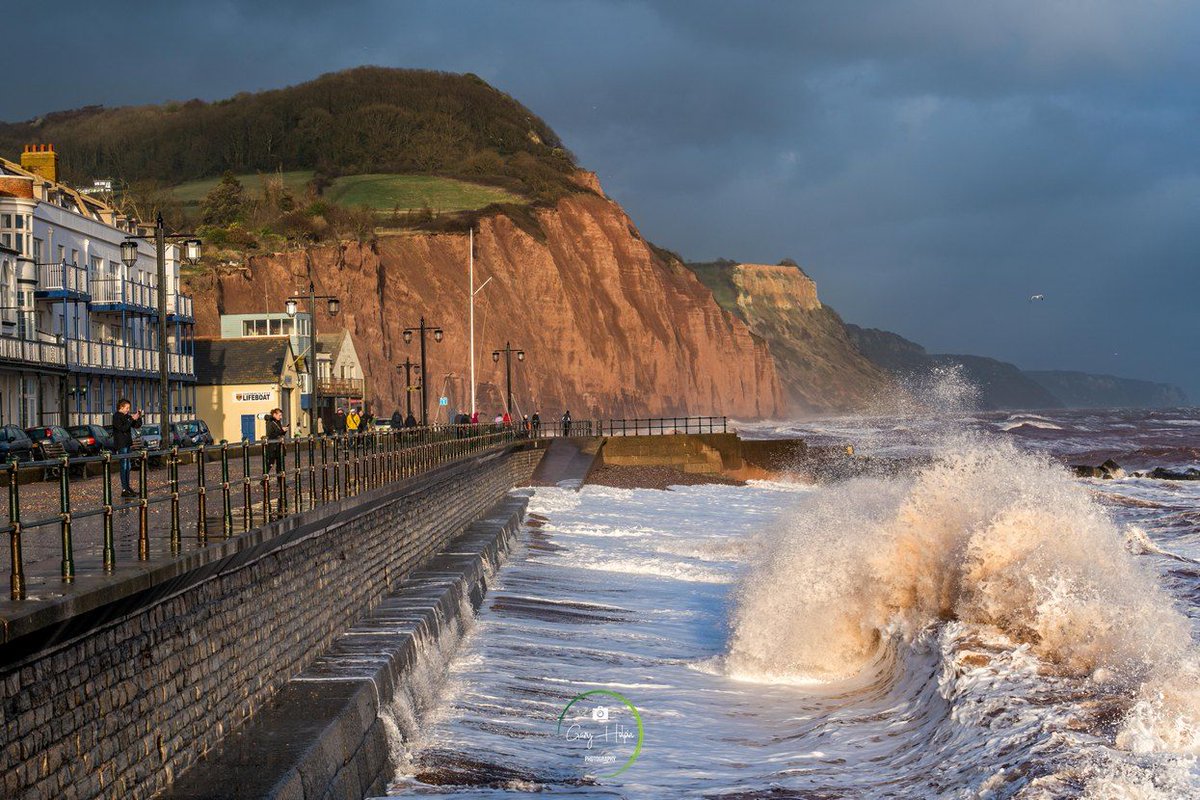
x=79 y=328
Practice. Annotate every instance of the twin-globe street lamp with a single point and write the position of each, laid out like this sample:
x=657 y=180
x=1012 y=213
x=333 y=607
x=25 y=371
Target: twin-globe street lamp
x=334 y=304
x=508 y=353
x=191 y=255
x=422 y=328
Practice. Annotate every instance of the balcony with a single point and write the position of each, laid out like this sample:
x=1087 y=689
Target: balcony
x=62 y=281
x=122 y=294
x=340 y=387
x=116 y=357
x=37 y=353
x=179 y=307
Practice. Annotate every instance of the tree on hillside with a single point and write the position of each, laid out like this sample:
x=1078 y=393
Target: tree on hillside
x=225 y=203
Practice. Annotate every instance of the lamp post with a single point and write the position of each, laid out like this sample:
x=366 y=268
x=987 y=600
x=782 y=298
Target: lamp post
x=422 y=328
x=409 y=369
x=508 y=353
x=191 y=254
x=333 y=304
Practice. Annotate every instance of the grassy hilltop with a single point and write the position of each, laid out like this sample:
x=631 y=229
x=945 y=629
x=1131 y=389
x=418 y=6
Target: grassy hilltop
x=413 y=148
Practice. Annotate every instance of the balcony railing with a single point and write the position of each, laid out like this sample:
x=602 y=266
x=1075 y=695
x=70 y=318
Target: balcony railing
x=35 y=352
x=116 y=356
x=62 y=278
x=122 y=291
x=340 y=387
x=179 y=305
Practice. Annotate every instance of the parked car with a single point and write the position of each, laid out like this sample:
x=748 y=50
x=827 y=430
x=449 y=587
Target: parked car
x=138 y=442
x=94 y=438
x=192 y=432
x=15 y=443
x=43 y=435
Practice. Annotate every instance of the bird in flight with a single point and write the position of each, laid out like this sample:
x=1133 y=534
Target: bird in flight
x=1037 y=297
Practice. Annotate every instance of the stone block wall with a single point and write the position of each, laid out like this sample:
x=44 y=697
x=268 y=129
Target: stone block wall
x=121 y=710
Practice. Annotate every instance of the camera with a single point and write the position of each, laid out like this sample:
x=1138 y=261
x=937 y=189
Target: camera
x=600 y=713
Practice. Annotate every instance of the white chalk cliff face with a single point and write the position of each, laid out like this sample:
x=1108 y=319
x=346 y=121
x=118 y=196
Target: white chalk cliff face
x=609 y=326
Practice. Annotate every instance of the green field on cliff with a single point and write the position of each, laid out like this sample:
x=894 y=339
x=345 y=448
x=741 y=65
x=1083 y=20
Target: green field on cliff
x=379 y=192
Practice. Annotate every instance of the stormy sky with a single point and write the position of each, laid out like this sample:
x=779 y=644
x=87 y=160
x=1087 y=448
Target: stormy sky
x=932 y=164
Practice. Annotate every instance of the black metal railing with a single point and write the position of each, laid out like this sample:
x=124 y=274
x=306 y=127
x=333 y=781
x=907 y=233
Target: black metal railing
x=249 y=484
x=662 y=426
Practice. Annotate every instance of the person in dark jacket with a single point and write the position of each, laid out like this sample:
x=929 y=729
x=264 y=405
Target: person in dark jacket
x=397 y=420
x=276 y=430
x=535 y=423
x=124 y=424
x=410 y=421
x=566 y=423
x=339 y=422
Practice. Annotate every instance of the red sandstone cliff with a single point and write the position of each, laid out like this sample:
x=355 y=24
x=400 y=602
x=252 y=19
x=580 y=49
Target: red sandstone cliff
x=609 y=328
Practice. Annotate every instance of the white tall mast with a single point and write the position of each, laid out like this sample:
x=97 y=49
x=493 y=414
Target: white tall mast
x=471 y=289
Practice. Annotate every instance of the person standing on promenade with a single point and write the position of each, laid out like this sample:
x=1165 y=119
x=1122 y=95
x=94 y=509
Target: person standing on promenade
x=535 y=423
x=353 y=421
x=410 y=421
x=276 y=430
x=124 y=424
x=566 y=423
x=339 y=421
x=397 y=420
x=506 y=420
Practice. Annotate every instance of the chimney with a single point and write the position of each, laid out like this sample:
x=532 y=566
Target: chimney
x=41 y=160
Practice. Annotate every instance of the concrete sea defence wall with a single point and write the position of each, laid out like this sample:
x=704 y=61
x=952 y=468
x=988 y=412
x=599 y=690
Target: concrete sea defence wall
x=116 y=701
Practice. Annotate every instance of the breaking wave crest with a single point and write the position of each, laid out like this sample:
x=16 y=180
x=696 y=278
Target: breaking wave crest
x=1008 y=553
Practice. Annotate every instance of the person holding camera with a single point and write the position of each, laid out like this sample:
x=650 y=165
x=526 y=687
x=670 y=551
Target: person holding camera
x=123 y=425
x=276 y=430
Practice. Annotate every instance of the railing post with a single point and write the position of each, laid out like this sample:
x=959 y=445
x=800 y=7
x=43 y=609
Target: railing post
x=266 y=485
x=297 y=476
x=337 y=462
x=324 y=470
x=173 y=480
x=247 y=491
x=64 y=510
x=110 y=556
x=226 y=497
x=143 y=509
x=281 y=477
x=16 y=582
x=312 y=472
x=201 y=497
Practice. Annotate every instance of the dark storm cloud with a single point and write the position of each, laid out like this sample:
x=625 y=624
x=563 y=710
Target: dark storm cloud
x=931 y=163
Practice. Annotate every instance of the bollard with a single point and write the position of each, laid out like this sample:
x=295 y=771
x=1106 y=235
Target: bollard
x=16 y=582
x=143 y=511
x=247 y=504
x=226 y=497
x=173 y=482
x=201 y=497
x=110 y=555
